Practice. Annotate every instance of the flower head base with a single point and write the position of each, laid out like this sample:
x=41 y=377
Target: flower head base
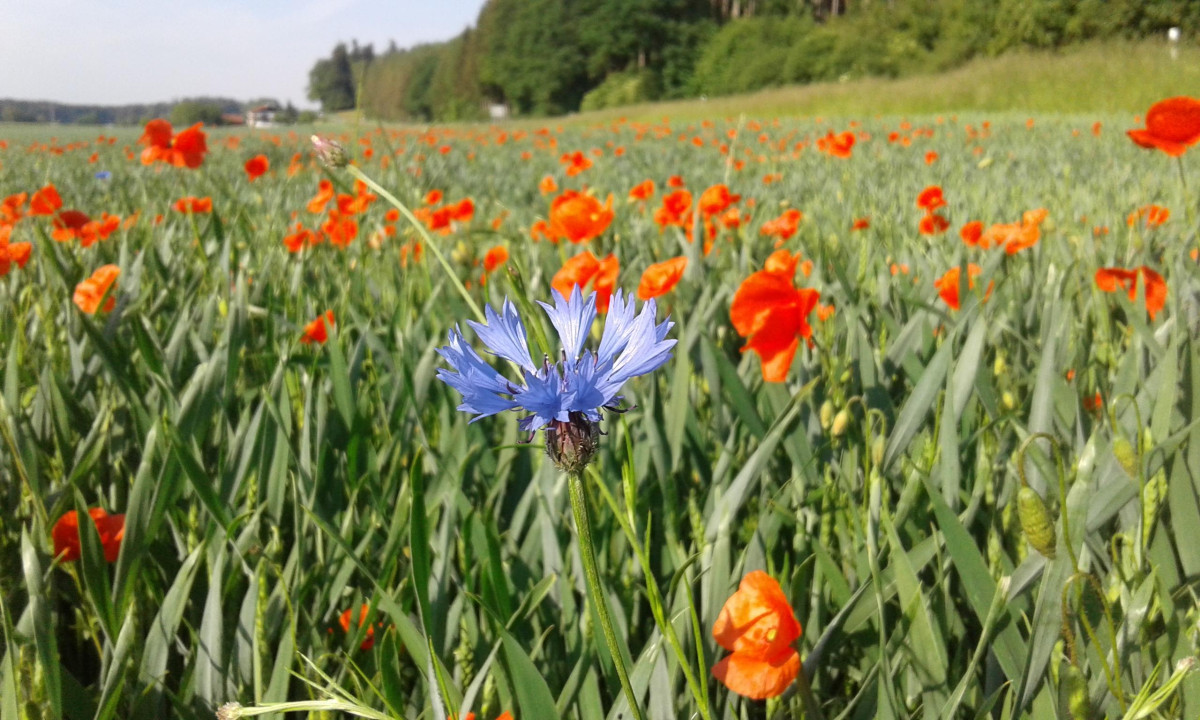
x=329 y=152
x=564 y=397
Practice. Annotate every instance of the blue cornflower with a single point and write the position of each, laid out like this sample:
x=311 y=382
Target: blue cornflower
x=104 y=175
x=565 y=397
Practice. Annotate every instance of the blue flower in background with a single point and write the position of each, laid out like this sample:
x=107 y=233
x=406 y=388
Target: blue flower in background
x=104 y=175
x=565 y=397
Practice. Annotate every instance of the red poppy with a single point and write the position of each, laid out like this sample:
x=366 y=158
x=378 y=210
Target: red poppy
x=660 y=278
x=971 y=233
x=1172 y=125
x=784 y=226
x=433 y=197
x=344 y=620
x=340 y=229
x=324 y=194
x=576 y=163
x=931 y=157
x=191 y=204
x=12 y=252
x=932 y=224
x=494 y=258
x=578 y=217
x=68 y=546
x=931 y=199
x=758 y=626
x=256 y=167
x=716 y=200
x=548 y=185
x=642 y=191
x=584 y=268
x=91 y=291
x=1114 y=278
x=840 y=145
x=947 y=284
x=45 y=201
x=772 y=314
x=1153 y=215
x=675 y=181
x=676 y=210
x=184 y=149
x=861 y=223
x=317 y=331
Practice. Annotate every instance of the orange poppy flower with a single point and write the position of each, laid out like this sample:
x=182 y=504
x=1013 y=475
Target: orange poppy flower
x=91 y=291
x=772 y=314
x=45 y=201
x=548 y=185
x=1114 y=278
x=506 y=715
x=931 y=157
x=931 y=199
x=184 y=149
x=932 y=224
x=660 y=278
x=675 y=181
x=840 y=145
x=584 y=268
x=344 y=620
x=494 y=258
x=299 y=239
x=1172 y=125
x=191 y=204
x=716 y=200
x=324 y=194
x=578 y=217
x=463 y=210
x=861 y=223
x=68 y=546
x=256 y=167
x=1094 y=403
x=433 y=197
x=68 y=225
x=11 y=208
x=340 y=229
x=947 y=284
x=971 y=233
x=12 y=252
x=1154 y=216
x=576 y=163
x=642 y=191
x=676 y=210
x=1014 y=237
x=759 y=626
x=317 y=331
x=784 y=226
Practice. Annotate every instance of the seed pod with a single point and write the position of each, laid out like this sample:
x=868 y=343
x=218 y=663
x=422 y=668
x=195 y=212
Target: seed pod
x=1152 y=497
x=840 y=422
x=1008 y=401
x=1035 y=521
x=1123 y=449
x=826 y=415
x=1077 y=694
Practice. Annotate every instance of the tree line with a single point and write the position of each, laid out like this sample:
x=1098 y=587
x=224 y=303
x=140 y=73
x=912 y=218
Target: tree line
x=546 y=57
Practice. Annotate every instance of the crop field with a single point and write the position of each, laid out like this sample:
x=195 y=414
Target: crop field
x=920 y=438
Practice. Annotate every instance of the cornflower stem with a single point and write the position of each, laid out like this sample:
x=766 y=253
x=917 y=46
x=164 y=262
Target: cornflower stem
x=583 y=529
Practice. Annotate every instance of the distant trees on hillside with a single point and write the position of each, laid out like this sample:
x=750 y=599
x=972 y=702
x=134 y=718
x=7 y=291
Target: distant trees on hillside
x=541 y=57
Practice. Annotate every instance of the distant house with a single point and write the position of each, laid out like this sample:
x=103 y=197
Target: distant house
x=233 y=119
x=262 y=116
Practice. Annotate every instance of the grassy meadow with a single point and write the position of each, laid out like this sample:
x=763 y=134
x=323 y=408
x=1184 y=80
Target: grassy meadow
x=984 y=511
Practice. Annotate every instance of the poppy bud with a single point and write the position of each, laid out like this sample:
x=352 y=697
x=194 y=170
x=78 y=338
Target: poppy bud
x=826 y=415
x=1008 y=401
x=1035 y=521
x=571 y=445
x=1077 y=694
x=1123 y=449
x=229 y=711
x=877 y=451
x=840 y=421
x=1152 y=497
x=999 y=367
x=330 y=153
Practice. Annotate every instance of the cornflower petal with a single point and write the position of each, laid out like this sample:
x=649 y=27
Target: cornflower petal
x=617 y=327
x=504 y=335
x=544 y=397
x=572 y=318
x=481 y=387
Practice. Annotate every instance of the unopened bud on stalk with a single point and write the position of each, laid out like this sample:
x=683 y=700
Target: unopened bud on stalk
x=229 y=711
x=877 y=452
x=1008 y=401
x=1035 y=521
x=999 y=367
x=826 y=415
x=840 y=422
x=1123 y=449
x=330 y=153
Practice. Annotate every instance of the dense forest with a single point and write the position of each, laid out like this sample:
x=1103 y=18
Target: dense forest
x=544 y=57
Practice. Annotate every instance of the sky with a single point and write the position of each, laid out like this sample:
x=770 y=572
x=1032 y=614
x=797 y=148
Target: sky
x=133 y=51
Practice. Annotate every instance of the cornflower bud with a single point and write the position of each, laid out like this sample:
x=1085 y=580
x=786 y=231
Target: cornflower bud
x=329 y=152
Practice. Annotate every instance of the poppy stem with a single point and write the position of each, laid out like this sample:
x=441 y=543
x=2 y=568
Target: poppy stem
x=583 y=528
x=1187 y=202
x=812 y=710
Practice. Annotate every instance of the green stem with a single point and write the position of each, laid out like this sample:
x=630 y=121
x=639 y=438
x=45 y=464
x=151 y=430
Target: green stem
x=811 y=709
x=1191 y=211
x=583 y=528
